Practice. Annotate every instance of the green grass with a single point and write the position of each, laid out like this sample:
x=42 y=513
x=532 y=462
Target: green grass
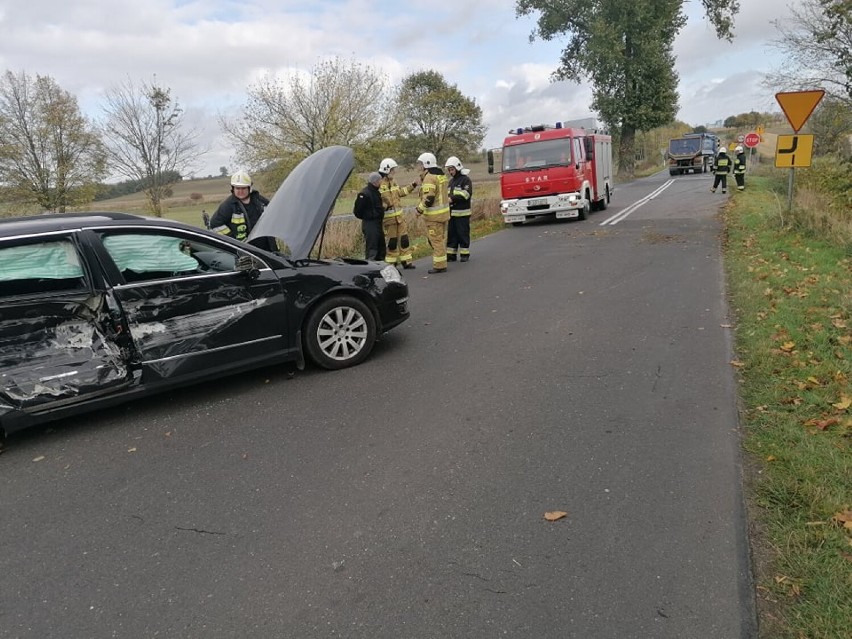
x=792 y=296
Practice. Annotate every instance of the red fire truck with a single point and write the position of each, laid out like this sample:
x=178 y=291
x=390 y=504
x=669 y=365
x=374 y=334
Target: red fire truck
x=560 y=171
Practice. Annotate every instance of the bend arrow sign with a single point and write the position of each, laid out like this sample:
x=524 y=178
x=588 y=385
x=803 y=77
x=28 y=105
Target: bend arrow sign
x=798 y=106
x=794 y=151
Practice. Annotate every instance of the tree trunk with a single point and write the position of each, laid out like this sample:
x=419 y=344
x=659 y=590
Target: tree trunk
x=626 y=151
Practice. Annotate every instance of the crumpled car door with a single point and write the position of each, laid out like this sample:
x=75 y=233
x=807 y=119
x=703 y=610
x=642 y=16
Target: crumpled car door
x=58 y=342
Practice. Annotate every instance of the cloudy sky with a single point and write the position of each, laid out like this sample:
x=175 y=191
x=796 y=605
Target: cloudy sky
x=209 y=51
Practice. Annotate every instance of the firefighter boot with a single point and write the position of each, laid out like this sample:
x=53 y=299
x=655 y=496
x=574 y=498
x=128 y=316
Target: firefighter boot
x=408 y=265
x=451 y=257
x=465 y=257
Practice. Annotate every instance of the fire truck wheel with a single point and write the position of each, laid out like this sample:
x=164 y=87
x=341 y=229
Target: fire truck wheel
x=604 y=201
x=584 y=212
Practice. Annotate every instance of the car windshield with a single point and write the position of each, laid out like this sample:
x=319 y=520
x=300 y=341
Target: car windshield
x=536 y=155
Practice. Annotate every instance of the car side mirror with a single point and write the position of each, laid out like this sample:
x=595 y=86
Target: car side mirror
x=246 y=265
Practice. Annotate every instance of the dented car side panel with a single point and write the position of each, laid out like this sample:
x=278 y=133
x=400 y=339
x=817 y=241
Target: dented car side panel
x=183 y=326
x=58 y=351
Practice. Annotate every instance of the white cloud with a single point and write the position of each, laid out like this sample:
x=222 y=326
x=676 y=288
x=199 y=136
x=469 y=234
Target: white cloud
x=209 y=51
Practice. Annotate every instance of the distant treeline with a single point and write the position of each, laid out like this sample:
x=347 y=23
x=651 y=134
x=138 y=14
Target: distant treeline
x=128 y=187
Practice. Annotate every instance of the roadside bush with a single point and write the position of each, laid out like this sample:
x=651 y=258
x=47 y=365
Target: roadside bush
x=823 y=200
x=832 y=176
x=196 y=197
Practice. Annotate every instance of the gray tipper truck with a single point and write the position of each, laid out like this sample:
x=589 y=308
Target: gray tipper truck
x=692 y=152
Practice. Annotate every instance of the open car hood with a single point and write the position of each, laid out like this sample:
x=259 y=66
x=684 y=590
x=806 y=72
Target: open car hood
x=302 y=204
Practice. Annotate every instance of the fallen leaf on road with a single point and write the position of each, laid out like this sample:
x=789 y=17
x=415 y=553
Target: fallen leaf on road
x=39 y=458
x=131 y=450
x=737 y=363
x=555 y=515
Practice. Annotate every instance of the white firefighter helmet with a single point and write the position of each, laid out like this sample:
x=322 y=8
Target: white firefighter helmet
x=723 y=151
x=454 y=162
x=739 y=149
x=241 y=178
x=428 y=160
x=387 y=165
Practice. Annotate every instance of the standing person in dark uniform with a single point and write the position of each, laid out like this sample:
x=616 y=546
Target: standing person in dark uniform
x=460 y=190
x=740 y=168
x=723 y=167
x=369 y=209
x=239 y=212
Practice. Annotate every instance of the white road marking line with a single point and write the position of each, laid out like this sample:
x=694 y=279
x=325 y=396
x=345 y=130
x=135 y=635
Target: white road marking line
x=618 y=217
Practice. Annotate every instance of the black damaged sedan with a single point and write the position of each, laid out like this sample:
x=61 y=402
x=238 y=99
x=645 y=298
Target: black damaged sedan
x=98 y=308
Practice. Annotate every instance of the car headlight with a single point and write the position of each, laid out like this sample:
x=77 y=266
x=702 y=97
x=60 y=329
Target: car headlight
x=390 y=274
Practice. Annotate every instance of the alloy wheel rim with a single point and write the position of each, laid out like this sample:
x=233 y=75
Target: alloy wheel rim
x=342 y=333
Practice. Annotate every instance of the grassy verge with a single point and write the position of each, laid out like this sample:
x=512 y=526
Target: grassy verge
x=792 y=296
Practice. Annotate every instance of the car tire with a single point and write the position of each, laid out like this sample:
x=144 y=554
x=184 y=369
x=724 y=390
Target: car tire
x=517 y=223
x=340 y=332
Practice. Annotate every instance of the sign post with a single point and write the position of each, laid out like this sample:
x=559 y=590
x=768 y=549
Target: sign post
x=795 y=150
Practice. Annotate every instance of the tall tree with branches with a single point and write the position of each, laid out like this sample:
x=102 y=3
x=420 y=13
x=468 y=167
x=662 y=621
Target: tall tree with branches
x=286 y=119
x=624 y=47
x=50 y=155
x=438 y=118
x=146 y=138
x=817 y=44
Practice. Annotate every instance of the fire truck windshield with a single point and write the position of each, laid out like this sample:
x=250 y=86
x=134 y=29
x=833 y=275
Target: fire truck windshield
x=537 y=155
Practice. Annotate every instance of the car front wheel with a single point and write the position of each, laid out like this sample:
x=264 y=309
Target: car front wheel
x=340 y=332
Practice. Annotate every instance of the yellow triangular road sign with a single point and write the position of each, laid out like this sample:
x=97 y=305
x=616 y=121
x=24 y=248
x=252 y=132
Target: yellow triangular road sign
x=798 y=106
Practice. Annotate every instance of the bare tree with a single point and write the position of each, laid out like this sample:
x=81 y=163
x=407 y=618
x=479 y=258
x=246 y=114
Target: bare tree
x=146 y=139
x=817 y=44
x=50 y=154
x=338 y=102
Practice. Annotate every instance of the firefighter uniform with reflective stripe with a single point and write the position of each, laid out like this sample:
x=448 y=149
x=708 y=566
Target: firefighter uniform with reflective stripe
x=236 y=219
x=739 y=171
x=396 y=231
x=723 y=167
x=458 y=232
x=435 y=208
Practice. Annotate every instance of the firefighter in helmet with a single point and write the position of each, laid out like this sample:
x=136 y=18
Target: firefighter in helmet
x=435 y=208
x=723 y=167
x=460 y=192
x=239 y=212
x=396 y=231
x=740 y=167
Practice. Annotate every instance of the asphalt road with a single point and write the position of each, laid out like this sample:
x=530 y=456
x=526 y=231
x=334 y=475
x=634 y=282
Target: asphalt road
x=575 y=366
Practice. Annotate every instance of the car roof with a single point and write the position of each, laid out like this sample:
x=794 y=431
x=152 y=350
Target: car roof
x=13 y=226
